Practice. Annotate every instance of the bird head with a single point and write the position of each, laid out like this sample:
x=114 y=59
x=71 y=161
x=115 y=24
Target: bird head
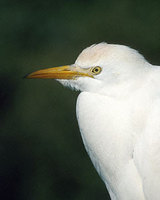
x=97 y=66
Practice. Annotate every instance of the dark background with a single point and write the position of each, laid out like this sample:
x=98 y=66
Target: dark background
x=41 y=153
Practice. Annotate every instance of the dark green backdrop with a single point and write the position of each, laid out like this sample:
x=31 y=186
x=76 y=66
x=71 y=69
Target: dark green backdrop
x=41 y=152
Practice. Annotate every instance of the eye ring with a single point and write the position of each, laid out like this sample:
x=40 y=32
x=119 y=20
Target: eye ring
x=96 y=70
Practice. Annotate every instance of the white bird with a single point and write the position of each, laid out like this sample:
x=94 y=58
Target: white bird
x=118 y=112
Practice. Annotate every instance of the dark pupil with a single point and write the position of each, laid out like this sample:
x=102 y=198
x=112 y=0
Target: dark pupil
x=96 y=70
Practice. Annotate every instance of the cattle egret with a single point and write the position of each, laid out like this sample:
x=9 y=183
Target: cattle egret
x=118 y=112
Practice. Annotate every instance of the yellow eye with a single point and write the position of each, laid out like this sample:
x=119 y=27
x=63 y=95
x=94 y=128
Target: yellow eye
x=96 y=70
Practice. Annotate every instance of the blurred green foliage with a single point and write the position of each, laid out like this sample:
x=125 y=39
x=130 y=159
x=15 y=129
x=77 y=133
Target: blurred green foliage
x=42 y=155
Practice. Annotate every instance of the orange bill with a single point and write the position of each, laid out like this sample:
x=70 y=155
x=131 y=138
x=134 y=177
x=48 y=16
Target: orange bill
x=63 y=72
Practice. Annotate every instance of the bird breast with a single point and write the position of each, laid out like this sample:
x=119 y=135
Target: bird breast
x=108 y=137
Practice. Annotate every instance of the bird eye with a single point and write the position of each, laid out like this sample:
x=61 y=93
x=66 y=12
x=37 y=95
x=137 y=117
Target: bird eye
x=96 y=70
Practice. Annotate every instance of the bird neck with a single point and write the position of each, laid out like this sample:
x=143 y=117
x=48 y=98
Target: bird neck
x=124 y=87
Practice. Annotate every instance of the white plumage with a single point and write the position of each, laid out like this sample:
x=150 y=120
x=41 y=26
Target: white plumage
x=118 y=112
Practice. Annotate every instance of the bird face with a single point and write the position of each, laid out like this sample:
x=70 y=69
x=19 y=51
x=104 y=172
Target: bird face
x=78 y=76
x=70 y=72
x=97 y=66
x=72 y=76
